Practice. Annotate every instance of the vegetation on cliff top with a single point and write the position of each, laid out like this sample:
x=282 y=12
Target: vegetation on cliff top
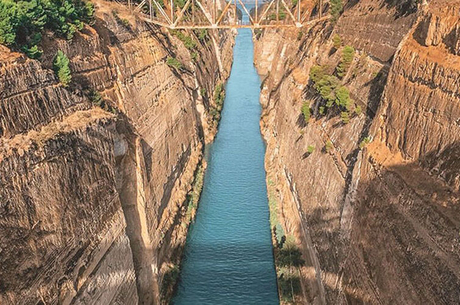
x=22 y=23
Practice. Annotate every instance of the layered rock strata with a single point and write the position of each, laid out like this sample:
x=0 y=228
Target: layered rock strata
x=93 y=186
x=377 y=222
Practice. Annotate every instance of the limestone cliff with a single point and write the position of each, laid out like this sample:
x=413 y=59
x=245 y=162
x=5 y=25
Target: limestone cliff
x=373 y=198
x=94 y=177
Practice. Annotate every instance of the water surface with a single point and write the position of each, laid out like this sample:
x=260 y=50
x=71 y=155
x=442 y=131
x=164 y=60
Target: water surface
x=228 y=256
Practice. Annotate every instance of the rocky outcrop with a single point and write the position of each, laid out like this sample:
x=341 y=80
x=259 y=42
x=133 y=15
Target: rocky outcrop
x=377 y=223
x=93 y=186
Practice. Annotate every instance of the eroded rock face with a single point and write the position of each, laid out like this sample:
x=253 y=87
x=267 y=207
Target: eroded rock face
x=93 y=201
x=376 y=27
x=378 y=224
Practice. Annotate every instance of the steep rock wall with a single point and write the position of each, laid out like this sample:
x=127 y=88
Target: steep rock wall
x=93 y=201
x=377 y=225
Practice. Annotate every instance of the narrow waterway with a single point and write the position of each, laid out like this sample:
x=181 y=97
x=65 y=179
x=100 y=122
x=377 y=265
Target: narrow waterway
x=228 y=256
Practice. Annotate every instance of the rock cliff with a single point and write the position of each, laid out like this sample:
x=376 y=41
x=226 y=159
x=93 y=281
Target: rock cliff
x=371 y=196
x=94 y=177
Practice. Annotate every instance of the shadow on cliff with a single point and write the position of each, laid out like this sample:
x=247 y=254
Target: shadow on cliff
x=401 y=227
x=377 y=86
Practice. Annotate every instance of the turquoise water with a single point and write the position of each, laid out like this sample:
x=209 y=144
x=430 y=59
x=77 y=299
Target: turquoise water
x=228 y=256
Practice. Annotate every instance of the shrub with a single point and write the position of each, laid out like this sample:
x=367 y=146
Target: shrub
x=316 y=73
x=328 y=146
x=336 y=9
x=337 y=41
x=322 y=110
x=169 y=279
x=202 y=34
x=174 y=63
x=194 y=56
x=122 y=21
x=345 y=117
x=194 y=196
x=32 y=52
x=61 y=68
x=328 y=86
x=95 y=97
x=289 y=284
x=310 y=149
x=343 y=98
x=348 y=54
x=189 y=43
x=306 y=111
x=289 y=257
x=219 y=95
x=203 y=92
x=364 y=142
x=358 y=110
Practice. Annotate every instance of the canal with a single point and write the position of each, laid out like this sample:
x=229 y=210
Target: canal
x=228 y=255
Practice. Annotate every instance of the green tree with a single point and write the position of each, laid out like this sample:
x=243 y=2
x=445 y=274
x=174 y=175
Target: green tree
x=337 y=41
x=343 y=98
x=336 y=9
x=219 y=94
x=23 y=22
x=348 y=55
x=8 y=22
x=316 y=73
x=345 y=117
x=33 y=51
x=61 y=68
x=326 y=87
x=306 y=111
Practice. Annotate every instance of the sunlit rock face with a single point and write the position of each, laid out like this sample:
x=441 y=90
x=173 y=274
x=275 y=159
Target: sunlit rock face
x=377 y=222
x=92 y=195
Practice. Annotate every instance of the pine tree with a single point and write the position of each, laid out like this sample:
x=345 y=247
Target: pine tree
x=61 y=68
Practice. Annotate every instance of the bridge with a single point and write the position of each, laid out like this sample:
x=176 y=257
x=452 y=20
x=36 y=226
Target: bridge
x=231 y=14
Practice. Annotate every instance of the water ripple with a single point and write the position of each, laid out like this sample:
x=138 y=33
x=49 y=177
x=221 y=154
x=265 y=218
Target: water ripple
x=228 y=257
